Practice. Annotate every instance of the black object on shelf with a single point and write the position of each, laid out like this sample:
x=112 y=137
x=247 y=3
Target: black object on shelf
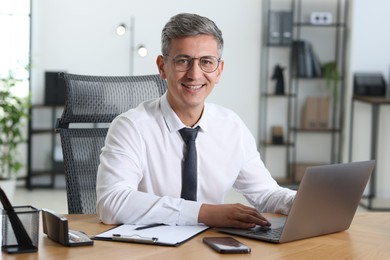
x=369 y=84
x=54 y=89
x=277 y=135
x=279 y=77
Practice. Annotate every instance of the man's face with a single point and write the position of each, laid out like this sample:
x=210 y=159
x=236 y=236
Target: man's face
x=188 y=90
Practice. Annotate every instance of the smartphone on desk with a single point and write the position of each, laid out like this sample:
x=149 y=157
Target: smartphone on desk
x=226 y=245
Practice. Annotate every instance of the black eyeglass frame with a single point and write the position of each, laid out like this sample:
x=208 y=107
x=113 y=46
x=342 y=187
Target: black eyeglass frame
x=191 y=59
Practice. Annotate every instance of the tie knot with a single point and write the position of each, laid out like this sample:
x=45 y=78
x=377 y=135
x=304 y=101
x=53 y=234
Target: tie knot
x=189 y=134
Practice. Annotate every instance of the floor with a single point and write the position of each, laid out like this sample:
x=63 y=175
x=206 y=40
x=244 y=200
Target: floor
x=55 y=199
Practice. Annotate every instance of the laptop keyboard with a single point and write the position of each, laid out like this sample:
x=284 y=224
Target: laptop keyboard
x=271 y=233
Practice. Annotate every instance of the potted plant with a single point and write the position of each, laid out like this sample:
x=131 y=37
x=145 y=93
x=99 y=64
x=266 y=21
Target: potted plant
x=332 y=78
x=13 y=113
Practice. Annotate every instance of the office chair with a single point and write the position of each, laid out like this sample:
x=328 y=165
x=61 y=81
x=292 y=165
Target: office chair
x=91 y=103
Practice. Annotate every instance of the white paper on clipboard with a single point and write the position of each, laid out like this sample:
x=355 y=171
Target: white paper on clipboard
x=166 y=235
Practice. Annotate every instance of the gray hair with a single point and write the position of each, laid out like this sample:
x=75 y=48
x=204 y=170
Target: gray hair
x=185 y=25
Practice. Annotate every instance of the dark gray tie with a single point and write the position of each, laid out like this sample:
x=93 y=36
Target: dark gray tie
x=189 y=172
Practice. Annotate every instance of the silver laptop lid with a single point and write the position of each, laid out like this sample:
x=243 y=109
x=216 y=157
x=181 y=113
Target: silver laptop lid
x=327 y=199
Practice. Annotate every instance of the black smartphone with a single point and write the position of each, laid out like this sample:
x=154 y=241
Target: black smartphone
x=226 y=245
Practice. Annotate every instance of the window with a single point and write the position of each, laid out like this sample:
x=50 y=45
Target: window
x=15 y=41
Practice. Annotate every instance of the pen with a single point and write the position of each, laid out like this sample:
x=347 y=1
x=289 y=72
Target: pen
x=134 y=238
x=149 y=226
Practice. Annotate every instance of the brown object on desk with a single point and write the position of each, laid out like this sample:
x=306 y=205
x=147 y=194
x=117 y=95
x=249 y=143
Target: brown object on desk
x=367 y=238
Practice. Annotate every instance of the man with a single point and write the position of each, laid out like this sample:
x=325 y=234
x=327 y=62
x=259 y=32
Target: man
x=140 y=173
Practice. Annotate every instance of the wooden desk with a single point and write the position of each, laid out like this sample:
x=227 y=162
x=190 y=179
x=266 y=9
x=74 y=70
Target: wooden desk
x=367 y=238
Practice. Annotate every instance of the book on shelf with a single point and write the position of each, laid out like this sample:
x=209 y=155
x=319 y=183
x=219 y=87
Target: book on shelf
x=274 y=28
x=308 y=56
x=287 y=28
x=317 y=67
x=299 y=61
x=305 y=60
x=280 y=28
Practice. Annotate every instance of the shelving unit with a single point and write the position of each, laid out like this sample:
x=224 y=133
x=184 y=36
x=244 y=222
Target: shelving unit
x=43 y=166
x=303 y=145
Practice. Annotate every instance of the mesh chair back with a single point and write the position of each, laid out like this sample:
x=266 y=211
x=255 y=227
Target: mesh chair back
x=90 y=101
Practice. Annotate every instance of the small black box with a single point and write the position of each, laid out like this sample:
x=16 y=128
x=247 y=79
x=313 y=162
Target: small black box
x=54 y=89
x=369 y=84
x=277 y=135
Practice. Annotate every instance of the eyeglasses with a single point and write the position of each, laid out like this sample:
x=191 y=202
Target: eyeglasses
x=206 y=63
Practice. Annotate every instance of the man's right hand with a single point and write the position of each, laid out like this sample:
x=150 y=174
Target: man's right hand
x=231 y=215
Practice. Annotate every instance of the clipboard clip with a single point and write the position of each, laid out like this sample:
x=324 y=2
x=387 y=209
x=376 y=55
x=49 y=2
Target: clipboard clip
x=134 y=238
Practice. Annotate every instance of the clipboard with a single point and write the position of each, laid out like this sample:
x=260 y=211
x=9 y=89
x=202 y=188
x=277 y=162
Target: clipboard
x=161 y=235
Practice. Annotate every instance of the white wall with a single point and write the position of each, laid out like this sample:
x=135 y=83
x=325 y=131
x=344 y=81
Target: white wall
x=370 y=52
x=370 y=36
x=78 y=36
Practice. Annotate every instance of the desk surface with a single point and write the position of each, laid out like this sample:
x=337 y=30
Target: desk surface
x=373 y=100
x=367 y=238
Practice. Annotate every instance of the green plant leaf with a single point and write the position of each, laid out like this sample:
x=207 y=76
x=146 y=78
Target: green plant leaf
x=13 y=112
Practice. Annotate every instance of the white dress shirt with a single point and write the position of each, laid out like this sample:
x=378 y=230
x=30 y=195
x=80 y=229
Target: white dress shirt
x=139 y=177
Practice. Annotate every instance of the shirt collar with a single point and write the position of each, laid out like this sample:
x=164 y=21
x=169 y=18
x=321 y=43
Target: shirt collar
x=173 y=122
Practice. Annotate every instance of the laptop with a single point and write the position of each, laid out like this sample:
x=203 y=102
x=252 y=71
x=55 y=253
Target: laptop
x=326 y=202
